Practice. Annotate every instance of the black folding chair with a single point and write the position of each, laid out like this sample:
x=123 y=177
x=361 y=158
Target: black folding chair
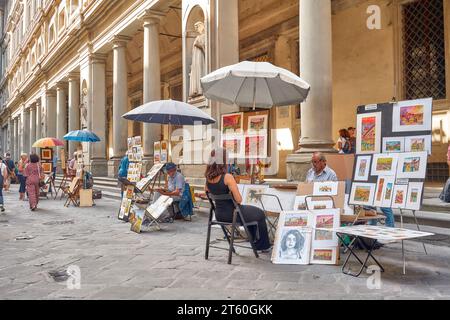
x=229 y=232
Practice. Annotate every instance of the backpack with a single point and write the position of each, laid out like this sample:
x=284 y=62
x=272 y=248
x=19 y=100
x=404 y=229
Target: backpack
x=445 y=194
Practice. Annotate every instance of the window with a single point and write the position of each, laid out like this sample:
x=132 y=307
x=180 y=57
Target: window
x=424 y=49
x=62 y=21
x=51 y=35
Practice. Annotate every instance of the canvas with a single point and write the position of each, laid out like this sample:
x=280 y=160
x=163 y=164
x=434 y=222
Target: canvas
x=414 y=196
x=384 y=164
x=256 y=147
x=418 y=144
x=293 y=238
x=257 y=124
x=399 y=196
x=251 y=195
x=362 y=168
x=412 y=115
x=393 y=144
x=232 y=123
x=326 y=188
x=137 y=219
x=234 y=146
x=412 y=165
x=368 y=136
x=323 y=222
x=324 y=255
x=362 y=193
x=388 y=191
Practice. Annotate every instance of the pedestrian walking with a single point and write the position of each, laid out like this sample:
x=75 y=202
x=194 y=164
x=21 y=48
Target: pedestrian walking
x=33 y=173
x=23 y=162
x=3 y=178
x=11 y=175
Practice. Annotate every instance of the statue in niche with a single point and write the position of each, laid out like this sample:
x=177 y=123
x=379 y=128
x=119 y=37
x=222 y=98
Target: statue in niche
x=83 y=109
x=198 y=61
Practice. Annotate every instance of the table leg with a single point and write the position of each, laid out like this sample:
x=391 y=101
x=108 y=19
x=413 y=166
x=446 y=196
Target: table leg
x=404 y=259
x=418 y=228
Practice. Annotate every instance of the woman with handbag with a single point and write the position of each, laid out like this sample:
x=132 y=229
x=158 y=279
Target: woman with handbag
x=23 y=162
x=33 y=173
x=3 y=177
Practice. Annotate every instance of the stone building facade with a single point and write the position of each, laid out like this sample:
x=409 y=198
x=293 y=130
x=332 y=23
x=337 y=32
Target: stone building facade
x=73 y=64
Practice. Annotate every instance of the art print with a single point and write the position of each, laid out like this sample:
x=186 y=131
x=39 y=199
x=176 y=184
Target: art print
x=257 y=124
x=276 y=200
x=327 y=188
x=296 y=219
x=125 y=207
x=418 y=144
x=399 y=196
x=321 y=255
x=313 y=204
x=232 y=123
x=362 y=193
x=234 y=146
x=384 y=164
x=324 y=222
x=47 y=167
x=368 y=138
x=256 y=147
x=138 y=218
x=362 y=168
x=46 y=154
x=414 y=197
x=393 y=144
x=413 y=115
x=252 y=195
x=138 y=141
x=129 y=192
x=412 y=165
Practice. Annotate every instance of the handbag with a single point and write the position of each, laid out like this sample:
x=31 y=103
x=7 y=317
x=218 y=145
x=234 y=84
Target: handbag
x=41 y=181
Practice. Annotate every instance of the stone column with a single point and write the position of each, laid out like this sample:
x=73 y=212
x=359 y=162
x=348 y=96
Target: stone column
x=16 y=139
x=50 y=114
x=61 y=110
x=12 y=137
x=74 y=109
x=26 y=146
x=96 y=97
x=38 y=120
x=120 y=103
x=152 y=80
x=22 y=139
x=316 y=69
x=32 y=127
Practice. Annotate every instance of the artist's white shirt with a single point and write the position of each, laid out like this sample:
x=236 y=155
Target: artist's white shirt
x=3 y=169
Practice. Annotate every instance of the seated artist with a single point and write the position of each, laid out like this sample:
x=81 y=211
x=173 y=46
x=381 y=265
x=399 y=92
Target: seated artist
x=175 y=188
x=219 y=182
x=320 y=171
x=123 y=173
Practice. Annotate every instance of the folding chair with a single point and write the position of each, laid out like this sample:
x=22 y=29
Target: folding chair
x=271 y=224
x=229 y=234
x=72 y=193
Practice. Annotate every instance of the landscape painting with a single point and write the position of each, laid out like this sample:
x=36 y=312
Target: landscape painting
x=384 y=164
x=362 y=193
x=412 y=165
x=418 y=144
x=257 y=124
x=413 y=115
x=368 y=133
x=414 y=197
x=362 y=168
x=324 y=255
x=232 y=123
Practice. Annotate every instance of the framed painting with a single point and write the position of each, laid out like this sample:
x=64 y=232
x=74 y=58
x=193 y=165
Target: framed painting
x=412 y=115
x=393 y=144
x=418 y=144
x=46 y=154
x=388 y=191
x=412 y=165
x=321 y=255
x=138 y=218
x=362 y=193
x=326 y=188
x=256 y=147
x=125 y=208
x=414 y=196
x=384 y=164
x=323 y=222
x=233 y=123
x=300 y=203
x=293 y=238
x=312 y=204
x=138 y=141
x=399 y=196
x=286 y=197
x=258 y=124
x=368 y=135
x=381 y=189
x=234 y=146
x=362 y=168
x=47 y=167
x=252 y=194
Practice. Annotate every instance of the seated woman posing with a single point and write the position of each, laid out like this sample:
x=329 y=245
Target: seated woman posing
x=219 y=182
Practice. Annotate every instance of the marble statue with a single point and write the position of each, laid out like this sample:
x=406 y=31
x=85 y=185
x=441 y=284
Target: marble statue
x=83 y=109
x=198 y=61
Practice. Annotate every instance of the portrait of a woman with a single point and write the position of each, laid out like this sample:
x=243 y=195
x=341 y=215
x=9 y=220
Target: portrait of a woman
x=292 y=245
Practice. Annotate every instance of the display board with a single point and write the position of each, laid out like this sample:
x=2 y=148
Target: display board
x=306 y=237
x=245 y=135
x=47 y=160
x=161 y=152
x=393 y=144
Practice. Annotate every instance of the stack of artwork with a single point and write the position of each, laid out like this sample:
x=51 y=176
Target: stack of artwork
x=393 y=144
x=161 y=151
x=305 y=237
x=249 y=144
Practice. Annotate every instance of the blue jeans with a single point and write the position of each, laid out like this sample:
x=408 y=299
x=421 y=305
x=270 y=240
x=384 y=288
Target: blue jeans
x=1 y=190
x=390 y=221
x=22 y=180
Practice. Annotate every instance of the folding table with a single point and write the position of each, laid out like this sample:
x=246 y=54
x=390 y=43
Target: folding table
x=375 y=234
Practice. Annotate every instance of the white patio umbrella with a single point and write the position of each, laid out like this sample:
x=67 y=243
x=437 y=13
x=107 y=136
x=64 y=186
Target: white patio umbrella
x=255 y=84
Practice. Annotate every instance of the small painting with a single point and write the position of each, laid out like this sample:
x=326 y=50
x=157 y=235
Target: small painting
x=399 y=196
x=138 y=218
x=324 y=256
x=362 y=193
x=413 y=115
x=233 y=145
x=384 y=164
x=252 y=195
x=46 y=154
x=418 y=144
x=362 y=168
x=232 y=123
x=368 y=133
x=47 y=167
x=257 y=124
x=327 y=188
x=300 y=203
x=294 y=219
x=324 y=222
x=412 y=165
x=414 y=197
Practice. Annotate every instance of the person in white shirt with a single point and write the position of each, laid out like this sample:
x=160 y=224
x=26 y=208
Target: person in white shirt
x=3 y=177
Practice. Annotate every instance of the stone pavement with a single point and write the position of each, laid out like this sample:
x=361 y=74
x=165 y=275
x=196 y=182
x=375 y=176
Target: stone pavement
x=116 y=263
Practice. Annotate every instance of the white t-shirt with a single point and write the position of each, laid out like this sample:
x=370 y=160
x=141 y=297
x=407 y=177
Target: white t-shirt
x=3 y=169
x=342 y=140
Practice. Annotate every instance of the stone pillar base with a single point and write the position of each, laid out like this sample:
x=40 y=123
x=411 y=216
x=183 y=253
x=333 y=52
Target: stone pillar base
x=99 y=167
x=113 y=167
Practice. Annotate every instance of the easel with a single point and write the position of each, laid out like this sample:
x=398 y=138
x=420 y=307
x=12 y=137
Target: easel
x=49 y=185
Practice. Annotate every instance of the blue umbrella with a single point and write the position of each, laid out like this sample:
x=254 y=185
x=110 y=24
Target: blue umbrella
x=170 y=112
x=82 y=136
